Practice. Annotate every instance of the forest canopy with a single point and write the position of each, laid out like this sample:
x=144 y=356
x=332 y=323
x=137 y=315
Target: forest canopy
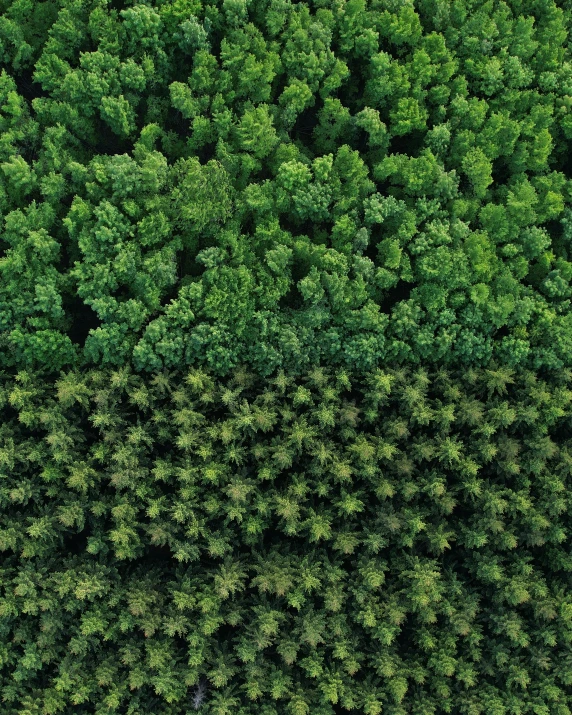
x=285 y=357
x=285 y=183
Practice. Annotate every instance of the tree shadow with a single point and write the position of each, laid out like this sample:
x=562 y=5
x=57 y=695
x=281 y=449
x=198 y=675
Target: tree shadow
x=409 y=144
x=393 y=296
x=27 y=87
x=76 y=543
x=83 y=319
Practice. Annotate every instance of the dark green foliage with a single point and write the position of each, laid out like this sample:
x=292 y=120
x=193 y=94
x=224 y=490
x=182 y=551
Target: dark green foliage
x=299 y=543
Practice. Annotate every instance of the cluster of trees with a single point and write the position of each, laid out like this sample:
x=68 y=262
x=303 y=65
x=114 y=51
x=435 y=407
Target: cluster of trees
x=390 y=543
x=285 y=357
x=284 y=183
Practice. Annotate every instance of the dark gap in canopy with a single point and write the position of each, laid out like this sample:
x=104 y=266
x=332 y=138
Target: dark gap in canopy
x=76 y=542
x=395 y=295
x=83 y=320
x=409 y=144
x=27 y=87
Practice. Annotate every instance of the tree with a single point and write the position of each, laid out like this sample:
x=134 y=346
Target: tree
x=478 y=169
x=201 y=195
x=256 y=132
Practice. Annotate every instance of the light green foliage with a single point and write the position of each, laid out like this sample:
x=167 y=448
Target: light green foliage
x=369 y=120
x=192 y=36
x=191 y=122
x=296 y=97
x=334 y=123
x=117 y=113
x=407 y=116
x=402 y=26
x=249 y=64
x=296 y=189
x=419 y=176
x=387 y=81
x=183 y=100
x=19 y=177
x=141 y=26
x=478 y=169
x=256 y=133
x=201 y=195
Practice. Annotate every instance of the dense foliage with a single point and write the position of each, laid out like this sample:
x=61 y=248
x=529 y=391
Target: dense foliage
x=281 y=183
x=308 y=545
x=285 y=357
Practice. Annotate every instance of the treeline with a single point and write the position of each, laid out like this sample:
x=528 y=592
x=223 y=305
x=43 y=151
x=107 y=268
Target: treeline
x=395 y=543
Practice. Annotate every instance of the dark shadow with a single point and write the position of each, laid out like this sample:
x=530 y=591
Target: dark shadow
x=248 y=227
x=465 y=186
x=554 y=228
x=26 y=86
x=122 y=294
x=550 y=559
x=225 y=634
x=305 y=123
x=559 y=245
x=152 y=559
x=361 y=142
x=175 y=121
x=375 y=236
x=76 y=543
x=109 y=143
x=162 y=554
x=408 y=144
x=352 y=91
x=155 y=109
x=69 y=253
x=501 y=172
x=300 y=269
x=169 y=295
x=83 y=319
x=297 y=227
x=559 y=159
x=206 y=153
x=562 y=430
x=190 y=267
x=395 y=295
